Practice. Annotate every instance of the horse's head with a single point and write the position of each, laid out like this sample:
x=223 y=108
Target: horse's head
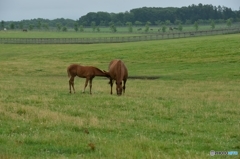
x=119 y=87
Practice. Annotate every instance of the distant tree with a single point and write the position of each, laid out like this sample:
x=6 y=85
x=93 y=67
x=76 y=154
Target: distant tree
x=76 y=26
x=110 y=23
x=196 y=25
x=64 y=29
x=85 y=23
x=130 y=28
x=200 y=21
x=98 y=29
x=177 y=22
x=112 y=27
x=21 y=25
x=12 y=26
x=180 y=28
x=158 y=22
x=45 y=26
x=138 y=23
x=39 y=25
x=119 y=23
x=59 y=26
x=229 y=22
x=188 y=22
x=102 y=23
x=93 y=25
x=149 y=23
x=30 y=27
x=147 y=26
x=128 y=17
x=81 y=28
x=212 y=24
x=2 y=24
x=164 y=28
x=167 y=22
x=162 y=23
x=220 y=21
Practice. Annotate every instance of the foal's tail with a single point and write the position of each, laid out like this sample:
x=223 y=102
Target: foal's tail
x=68 y=72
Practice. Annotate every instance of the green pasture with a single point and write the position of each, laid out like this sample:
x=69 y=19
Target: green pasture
x=55 y=34
x=104 y=32
x=191 y=108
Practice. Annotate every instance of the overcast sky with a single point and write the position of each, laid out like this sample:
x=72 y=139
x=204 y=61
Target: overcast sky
x=17 y=10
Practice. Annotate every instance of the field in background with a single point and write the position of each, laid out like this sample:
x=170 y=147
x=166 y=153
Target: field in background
x=192 y=108
x=53 y=34
x=104 y=32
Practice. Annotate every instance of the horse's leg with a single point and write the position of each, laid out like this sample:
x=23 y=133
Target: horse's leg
x=86 y=83
x=70 y=86
x=111 y=84
x=91 y=86
x=124 y=85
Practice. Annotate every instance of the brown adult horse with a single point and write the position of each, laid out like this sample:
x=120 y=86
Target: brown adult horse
x=88 y=72
x=118 y=71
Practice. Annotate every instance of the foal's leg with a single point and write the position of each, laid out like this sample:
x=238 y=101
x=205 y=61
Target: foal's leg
x=86 y=83
x=71 y=83
x=91 y=86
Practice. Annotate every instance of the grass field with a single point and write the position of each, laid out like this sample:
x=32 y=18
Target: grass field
x=104 y=32
x=192 y=108
x=54 y=34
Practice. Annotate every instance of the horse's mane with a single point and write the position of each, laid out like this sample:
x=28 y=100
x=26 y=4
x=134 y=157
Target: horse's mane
x=99 y=69
x=119 y=65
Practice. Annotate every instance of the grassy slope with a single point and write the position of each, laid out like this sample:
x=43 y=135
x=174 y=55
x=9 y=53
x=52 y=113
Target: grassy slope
x=191 y=109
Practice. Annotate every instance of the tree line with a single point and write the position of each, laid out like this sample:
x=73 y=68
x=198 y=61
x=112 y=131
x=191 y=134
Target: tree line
x=157 y=16
x=145 y=16
x=39 y=24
